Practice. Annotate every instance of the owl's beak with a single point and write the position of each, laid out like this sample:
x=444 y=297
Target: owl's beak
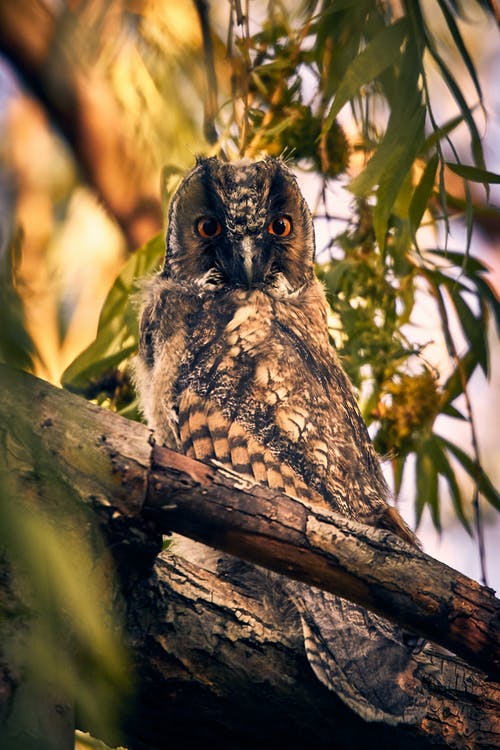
x=248 y=257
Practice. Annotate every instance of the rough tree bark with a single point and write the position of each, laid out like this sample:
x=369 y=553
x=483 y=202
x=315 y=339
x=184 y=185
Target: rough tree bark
x=215 y=665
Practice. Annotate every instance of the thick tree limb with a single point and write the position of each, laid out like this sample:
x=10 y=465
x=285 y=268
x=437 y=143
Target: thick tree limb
x=198 y=640
x=216 y=652
x=369 y=566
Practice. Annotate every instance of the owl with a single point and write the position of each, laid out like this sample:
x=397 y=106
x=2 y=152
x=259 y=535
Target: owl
x=235 y=367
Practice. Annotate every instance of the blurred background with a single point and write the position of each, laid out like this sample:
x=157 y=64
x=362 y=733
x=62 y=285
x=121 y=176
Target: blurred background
x=104 y=103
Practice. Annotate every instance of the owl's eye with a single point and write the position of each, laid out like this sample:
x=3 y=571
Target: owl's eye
x=281 y=226
x=208 y=227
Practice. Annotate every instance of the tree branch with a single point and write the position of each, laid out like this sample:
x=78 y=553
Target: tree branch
x=87 y=115
x=369 y=566
x=135 y=488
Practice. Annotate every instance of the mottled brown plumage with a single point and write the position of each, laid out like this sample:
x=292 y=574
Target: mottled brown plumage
x=235 y=366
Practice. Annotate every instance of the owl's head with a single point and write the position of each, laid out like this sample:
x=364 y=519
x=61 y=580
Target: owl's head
x=242 y=224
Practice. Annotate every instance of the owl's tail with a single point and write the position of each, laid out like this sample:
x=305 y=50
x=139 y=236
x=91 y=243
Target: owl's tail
x=359 y=656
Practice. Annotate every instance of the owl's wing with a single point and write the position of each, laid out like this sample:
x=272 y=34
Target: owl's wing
x=206 y=434
x=357 y=655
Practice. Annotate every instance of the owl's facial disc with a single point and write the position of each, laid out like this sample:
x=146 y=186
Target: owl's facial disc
x=240 y=225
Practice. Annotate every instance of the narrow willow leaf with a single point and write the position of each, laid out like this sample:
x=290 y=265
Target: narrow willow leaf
x=474 y=174
x=143 y=261
x=469 y=217
x=444 y=468
x=16 y=345
x=477 y=473
x=379 y=54
x=453 y=386
x=398 y=465
x=451 y=411
x=421 y=195
x=131 y=411
x=489 y=297
x=474 y=330
x=421 y=489
x=441 y=279
x=427 y=485
x=440 y=133
x=476 y=147
x=443 y=197
x=433 y=485
x=387 y=155
x=467 y=263
x=457 y=38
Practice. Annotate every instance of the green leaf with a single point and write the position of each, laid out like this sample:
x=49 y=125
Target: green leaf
x=440 y=133
x=390 y=150
x=474 y=330
x=427 y=484
x=474 y=174
x=421 y=195
x=117 y=331
x=488 y=296
x=444 y=468
x=467 y=263
x=441 y=279
x=476 y=472
x=398 y=465
x=450 y=411
x=16 y=346
x=469 y=217
x=379 y=54
x=457 y=38
x=453 y=386
x=131 y=411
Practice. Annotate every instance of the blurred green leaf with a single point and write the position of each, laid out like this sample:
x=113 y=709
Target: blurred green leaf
x=117 y=332
x=488 y=295
x=16 y=346
x=467 y=263
x=395 y=154
x=451 y=411
x=441 y=132
x=454 y=385
x=398 y=465
x=68 y=639
x=399 y=164
x=444 y=468
x=427 y=484
x=459 y=42
x=474 y=174
x=421 y=195
x=476 y=473
x=473 y=328
x=378 y=54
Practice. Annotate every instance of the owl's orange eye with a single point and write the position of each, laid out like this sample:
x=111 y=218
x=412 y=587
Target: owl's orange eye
x=208 y=227
x=281 y=226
